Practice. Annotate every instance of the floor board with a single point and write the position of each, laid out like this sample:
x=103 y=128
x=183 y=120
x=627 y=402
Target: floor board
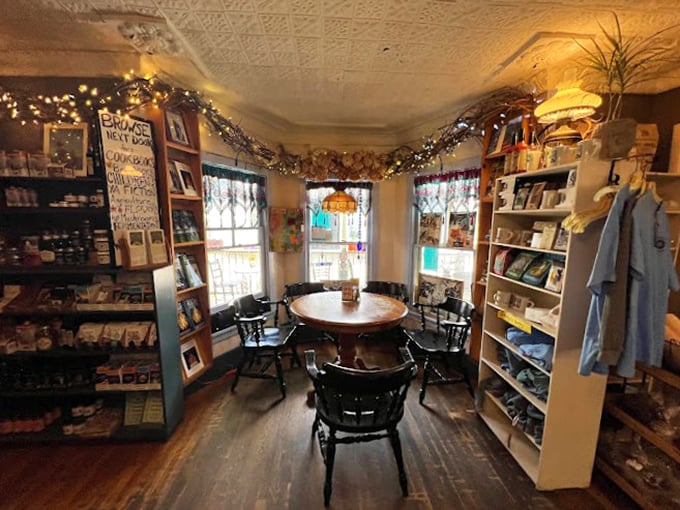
x=251 y=450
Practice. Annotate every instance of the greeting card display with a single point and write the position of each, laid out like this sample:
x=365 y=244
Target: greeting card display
x=430 y=229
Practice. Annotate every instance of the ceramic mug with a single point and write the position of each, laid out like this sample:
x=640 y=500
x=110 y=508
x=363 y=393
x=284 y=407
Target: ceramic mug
x=565 y=198
x=502 y=297
x=504 y=235
x=588 y=148
x=549 y=199
x=533 y=160
x=564 y=154
x=520 y=303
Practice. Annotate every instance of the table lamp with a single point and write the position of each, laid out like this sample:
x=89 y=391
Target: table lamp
x=566 y=105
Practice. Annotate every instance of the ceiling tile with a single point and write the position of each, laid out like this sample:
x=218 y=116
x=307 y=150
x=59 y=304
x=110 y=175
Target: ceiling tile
x=244 y=23
x=307 y=25
x=172 y=4
x=374 y=9
x=311 y=7
x=238 y=5
x=308 y=44
x=254 y=43
x=337 y=27
x=275 y=23
x=339 y=8
x=214 y=22
x=272 y=6
x=282 y=44
x=183 y=20
x=367 y=29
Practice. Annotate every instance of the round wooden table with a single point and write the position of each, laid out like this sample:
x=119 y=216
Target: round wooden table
x=327 y=312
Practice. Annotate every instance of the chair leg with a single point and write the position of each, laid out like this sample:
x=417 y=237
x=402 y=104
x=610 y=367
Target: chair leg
x=239 y=367
x=396 y=447
x=466 y=377
x=426 y=376
x=295 y=359
x=279 y=373
x=330 y=460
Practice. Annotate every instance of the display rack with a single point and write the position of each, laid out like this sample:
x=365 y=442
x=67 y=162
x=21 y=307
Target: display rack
x=564 y=458
x=624 y=476
x=53 y=390
x=173 y=200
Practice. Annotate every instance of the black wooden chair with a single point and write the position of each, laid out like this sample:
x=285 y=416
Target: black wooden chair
x=250 y=306
x=260 y=347
x=395 y=290
x=304 y=333
x=364 y=405
x=445 y=343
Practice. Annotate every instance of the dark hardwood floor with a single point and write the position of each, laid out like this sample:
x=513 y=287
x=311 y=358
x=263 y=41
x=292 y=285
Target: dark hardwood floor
x=251 y=450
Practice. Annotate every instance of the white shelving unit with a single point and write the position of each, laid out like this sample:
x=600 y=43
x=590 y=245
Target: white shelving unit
x=565 y=457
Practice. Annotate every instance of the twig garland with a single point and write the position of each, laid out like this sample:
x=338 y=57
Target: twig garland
x=315 y=165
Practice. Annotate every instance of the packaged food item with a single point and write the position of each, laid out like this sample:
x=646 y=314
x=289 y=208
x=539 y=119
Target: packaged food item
x=152 y=337
x=143 y=374
x=89 y=333
x=502 y=261
x=113 y=335
x=520 y=264
x=129 y=373
x=155 y=373
x=135 y=334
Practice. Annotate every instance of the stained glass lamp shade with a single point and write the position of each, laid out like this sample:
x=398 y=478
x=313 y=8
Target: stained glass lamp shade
x=339 y=202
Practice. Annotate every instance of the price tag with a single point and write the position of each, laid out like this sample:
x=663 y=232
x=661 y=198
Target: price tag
x=513 y=320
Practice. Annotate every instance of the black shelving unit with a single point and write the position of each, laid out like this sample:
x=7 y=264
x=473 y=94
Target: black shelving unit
x=166 y=353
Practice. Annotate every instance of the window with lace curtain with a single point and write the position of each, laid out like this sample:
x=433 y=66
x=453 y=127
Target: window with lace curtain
x=234 y=208
x=447 y=210
x=338 y=243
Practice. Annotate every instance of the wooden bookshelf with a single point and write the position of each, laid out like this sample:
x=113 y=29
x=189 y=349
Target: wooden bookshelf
x=172 y=201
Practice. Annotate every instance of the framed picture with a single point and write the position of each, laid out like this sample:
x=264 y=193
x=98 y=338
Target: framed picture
x=177 y=131
x=562 y=240
x=535 y=196
x=66 y=144
x=521 y=198
x=186 y=178
x=496 y=140
x=175 y=180
x=191 y=358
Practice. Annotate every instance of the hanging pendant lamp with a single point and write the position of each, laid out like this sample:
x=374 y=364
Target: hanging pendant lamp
x=339 y=202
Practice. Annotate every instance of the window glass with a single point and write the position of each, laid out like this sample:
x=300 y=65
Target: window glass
x=339 y=243
x=234 y=208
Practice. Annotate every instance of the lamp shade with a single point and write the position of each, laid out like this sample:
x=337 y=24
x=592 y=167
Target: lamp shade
x=339 y=202
x=570 y=104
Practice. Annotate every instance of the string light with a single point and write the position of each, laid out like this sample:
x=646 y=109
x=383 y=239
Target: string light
x=316 y=164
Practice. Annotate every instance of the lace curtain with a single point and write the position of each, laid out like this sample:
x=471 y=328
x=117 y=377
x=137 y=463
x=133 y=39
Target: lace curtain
x=225 y=189
x=450 y=192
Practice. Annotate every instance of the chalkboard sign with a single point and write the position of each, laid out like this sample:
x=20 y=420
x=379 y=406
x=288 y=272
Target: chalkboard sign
x=130 y=168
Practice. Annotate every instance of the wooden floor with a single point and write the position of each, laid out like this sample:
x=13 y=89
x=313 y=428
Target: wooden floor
x=250 y=450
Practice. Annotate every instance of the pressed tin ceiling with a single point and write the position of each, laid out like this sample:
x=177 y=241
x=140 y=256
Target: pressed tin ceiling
x=381 y=64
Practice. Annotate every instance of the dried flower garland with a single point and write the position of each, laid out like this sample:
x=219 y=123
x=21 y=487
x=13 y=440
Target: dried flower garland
x=316 y=165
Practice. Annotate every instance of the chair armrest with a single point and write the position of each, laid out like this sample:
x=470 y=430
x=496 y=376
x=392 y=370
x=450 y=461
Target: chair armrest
x=257 y=318
x=405 y=355
x=455 y=324
x=270 y=302
x=310 y=364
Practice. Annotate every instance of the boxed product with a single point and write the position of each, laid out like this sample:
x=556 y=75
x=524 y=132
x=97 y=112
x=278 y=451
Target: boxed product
x=152 y=337
x=136 y=333
x=89 y=333
x=113 y=335
x=128 y=373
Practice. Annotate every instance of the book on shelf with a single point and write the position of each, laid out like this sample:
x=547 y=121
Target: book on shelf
x=193 y=311
x=184 y=226
x=183 y=320
x=190 y=274
x=153 y=408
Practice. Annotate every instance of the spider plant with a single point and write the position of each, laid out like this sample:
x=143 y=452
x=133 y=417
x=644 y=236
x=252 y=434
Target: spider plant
x=623 y=62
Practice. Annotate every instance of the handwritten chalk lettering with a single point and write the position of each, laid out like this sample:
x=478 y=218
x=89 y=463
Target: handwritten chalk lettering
x=126 y=125
x=128 y=145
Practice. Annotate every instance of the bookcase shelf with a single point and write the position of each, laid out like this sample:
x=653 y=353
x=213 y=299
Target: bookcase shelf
x=560 y=462
x=171 y=202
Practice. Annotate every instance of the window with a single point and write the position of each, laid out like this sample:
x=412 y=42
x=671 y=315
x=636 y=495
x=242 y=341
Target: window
x=338 y=244
x=234 y=206
x=446 y=207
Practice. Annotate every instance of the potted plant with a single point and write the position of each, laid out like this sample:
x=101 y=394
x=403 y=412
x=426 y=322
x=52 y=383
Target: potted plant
x=621 y=63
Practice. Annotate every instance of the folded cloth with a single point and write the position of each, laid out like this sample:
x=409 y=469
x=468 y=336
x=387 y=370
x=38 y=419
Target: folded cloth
x=519 y=337
x=535 y=381
x=541 y=354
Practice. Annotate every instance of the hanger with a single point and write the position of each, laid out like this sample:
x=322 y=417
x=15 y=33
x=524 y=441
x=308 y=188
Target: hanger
x=577 y=222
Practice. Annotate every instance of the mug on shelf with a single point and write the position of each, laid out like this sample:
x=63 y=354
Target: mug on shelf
x=549 y=199
x=521 y=303
x=505 y=235
x=502 y=297
x=565 y=198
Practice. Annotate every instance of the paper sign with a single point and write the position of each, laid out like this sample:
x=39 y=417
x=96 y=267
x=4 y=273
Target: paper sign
x=513 y=320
